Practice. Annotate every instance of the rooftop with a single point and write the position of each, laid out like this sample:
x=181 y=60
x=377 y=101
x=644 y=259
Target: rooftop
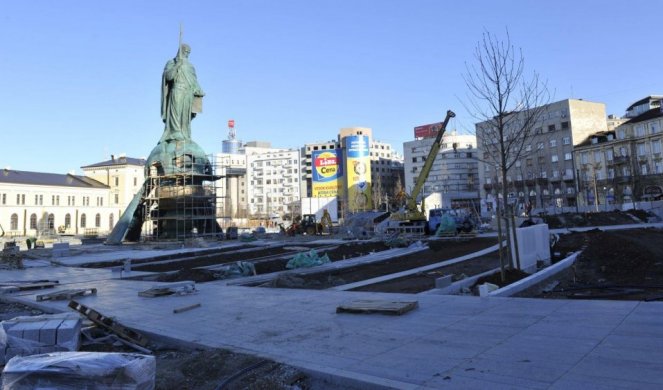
x=48 y=179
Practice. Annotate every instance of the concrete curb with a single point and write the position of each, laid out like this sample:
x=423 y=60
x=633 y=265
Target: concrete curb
x=530 y=281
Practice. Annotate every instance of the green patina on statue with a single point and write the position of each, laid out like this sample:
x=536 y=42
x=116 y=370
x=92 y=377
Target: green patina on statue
x=181 y=100
x=181 y=96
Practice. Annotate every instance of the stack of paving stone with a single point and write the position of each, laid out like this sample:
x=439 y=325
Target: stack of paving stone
x=23 y=336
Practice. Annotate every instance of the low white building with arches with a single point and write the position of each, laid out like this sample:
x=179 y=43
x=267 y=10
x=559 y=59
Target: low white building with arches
x=35 y=204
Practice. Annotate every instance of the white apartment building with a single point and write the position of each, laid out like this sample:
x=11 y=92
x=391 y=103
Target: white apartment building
x=38 y=203
x=545 y=173
x=454 y=174
x=274 y=180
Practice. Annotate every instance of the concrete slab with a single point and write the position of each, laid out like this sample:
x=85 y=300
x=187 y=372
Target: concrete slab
x=448 y=341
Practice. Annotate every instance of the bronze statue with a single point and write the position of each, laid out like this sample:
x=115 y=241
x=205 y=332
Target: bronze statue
x=181 y=96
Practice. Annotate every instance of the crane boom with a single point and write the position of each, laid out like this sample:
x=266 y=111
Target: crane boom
x=428 y=164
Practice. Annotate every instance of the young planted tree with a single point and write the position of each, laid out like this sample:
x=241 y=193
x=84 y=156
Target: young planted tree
x=507 y=104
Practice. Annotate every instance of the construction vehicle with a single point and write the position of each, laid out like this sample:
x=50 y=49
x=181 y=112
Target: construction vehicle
x=308 y=224
x=411 y=218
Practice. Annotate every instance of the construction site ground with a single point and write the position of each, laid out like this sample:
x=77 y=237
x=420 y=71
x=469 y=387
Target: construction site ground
x=295 y=335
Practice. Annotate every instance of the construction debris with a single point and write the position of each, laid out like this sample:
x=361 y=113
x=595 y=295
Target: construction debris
x=186 y=308
x=15 y=286
x=80 y=370
x=109 y=324
x=66 y=294
x=180 y=288
x=23 y=336
x=367 y=306
x=11 y=258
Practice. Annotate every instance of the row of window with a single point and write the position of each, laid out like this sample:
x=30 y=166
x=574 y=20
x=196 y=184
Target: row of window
x=640 y=130
x=50 y=222
x=55 y=200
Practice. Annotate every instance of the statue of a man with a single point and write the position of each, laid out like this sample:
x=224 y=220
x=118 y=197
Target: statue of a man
x=179 y=91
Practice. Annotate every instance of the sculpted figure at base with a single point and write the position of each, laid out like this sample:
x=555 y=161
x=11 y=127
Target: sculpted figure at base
x=181 y=96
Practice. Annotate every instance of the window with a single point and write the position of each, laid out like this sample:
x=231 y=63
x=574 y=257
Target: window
x=13 y=222
x=656 y=146
x=551 y=128
x=51 y=221
x=553 y=143
x=67 y=220
x=4 y=198
x=621 y=134
x=640 y=130
x=643 y=169
x=641 y=149
x=528 y=148
x=111 y=221
x=539 y=146
x=83 y=220
x=97 y=220
x=611 y=173
x=609 y=155
x=566 y=140
x=584 y=158
x=117 y=198
x=565 y=125
x=117 y=181
x=568 y=156
x=568 y=173
x=33 y=221
x=135 y=181
x=554 y=158
x=598 y=156
x=518 y=164
x=658 y=166
x=655 y=127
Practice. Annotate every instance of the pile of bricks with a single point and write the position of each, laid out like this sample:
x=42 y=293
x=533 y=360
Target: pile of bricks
x=41 y=334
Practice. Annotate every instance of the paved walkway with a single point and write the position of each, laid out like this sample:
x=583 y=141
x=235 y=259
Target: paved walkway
x=448 y=342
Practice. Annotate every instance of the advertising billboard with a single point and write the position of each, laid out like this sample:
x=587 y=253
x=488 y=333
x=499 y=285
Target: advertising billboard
x=358 y=168
x=427 y=131
x=325 y=173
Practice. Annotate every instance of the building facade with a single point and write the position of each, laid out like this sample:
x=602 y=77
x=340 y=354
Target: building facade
x=123 y=175
x=545 y=174
x=454 y=174
x=273 y=180
x=624 y=165
x=40 y=204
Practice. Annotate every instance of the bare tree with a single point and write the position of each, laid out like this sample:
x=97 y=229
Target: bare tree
x=507 y=104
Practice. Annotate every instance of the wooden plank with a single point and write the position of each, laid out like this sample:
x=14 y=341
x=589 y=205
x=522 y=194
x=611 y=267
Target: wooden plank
x=366 y=306
x=186 y=308
x=109 y=324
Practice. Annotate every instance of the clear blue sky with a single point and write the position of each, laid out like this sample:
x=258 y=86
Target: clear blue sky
x=81 y=79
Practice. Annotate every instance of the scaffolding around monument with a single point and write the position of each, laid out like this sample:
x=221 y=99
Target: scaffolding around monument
x=181 y=205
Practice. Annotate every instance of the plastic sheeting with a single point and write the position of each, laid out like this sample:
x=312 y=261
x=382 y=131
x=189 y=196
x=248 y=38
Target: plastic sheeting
x=80 y=370
x=39 y=334
x=447 y=225
x=307 y=260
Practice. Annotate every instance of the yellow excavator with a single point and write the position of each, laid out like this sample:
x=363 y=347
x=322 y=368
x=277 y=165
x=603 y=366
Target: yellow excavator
x=411 y=218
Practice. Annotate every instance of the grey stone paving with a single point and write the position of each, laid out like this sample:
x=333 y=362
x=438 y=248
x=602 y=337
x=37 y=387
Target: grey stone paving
x=448 y=342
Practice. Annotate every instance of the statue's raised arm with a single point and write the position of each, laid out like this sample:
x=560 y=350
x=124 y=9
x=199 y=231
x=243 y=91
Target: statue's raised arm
x=181 y=96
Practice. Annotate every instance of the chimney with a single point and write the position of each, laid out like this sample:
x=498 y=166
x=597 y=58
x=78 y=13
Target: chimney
x=112 y=157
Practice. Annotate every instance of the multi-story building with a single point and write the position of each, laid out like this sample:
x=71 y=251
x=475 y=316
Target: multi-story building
x=626 y=164
x=386 y=165
x=454 y=173
x=231 y=190
x=544 y=175
x=38 y=203
x=274 y=179
x=123 y=175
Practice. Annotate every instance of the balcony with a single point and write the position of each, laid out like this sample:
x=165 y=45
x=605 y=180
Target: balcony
x=623 y=179
x=555 y=179
x=568 y=178
x=542 y=180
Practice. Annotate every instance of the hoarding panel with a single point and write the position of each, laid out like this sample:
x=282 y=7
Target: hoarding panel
x=358 y=164
x=325 y=173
